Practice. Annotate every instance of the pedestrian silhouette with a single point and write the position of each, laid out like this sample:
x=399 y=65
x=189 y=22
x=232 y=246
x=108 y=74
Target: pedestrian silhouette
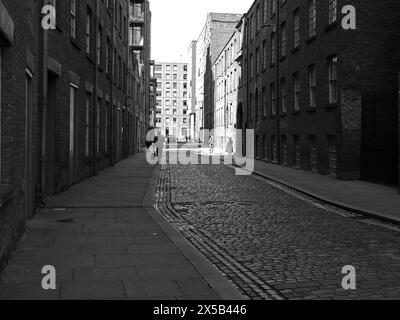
x=211 y=143
x=229 y=147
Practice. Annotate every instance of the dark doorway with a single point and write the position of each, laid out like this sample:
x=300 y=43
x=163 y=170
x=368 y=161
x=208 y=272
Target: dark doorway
x=380 y=140
x=50 y=134
x=29 y=183
x=240 y=126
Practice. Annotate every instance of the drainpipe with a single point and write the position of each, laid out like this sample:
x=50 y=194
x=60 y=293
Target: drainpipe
x=112 y=72
x=95 y=75
x=278 y=108
x=44 y=103
x=245 y=111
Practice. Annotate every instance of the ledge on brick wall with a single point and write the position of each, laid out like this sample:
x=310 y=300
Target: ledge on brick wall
x=6 y=24
x=6 y=192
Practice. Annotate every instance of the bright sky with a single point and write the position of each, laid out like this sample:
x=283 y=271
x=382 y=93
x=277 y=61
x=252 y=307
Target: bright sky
x=177 y=22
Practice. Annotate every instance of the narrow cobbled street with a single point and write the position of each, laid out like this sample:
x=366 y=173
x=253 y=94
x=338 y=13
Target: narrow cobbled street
x=274 y=243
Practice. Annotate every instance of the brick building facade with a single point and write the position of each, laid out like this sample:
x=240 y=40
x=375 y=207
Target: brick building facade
x=70 y=100
x=227 y=80
x=172 y=114
x=216 y=32
x=19 y=116
x=321 y=97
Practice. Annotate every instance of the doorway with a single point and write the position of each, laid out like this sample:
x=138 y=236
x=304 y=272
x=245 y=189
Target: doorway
x=72 y=135
x=29 y=183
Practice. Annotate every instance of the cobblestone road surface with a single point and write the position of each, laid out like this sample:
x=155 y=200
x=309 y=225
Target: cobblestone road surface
x=275 y=245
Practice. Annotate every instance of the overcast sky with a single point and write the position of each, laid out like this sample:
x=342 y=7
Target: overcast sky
x=176 y=22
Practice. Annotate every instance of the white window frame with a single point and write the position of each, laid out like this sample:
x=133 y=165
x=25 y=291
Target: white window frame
x=87 y=125
x=333 y=11
x=73 y=19
x=333 y=79
x=312 y=77
x=312 y=18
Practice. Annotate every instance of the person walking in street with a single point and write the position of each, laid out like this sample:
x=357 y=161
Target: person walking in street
x=160 y=145
x=229 y=147
x=211 y=143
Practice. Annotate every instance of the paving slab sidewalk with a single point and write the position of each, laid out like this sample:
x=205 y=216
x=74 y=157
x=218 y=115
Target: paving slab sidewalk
x=106 y=241
x=367 y=198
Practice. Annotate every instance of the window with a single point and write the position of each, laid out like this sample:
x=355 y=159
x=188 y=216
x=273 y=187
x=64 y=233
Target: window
x=256 y=106
x=332 y=146
x=313 y=153
x=107 y=55
x=332 y=66
x=264 y=101
x=99 y=40
x=258 y=20
x=265 y=55
x=264 y=148
x=284 y=155
x=88 y=27
x=312 y=16
x=251 y=107
x=273 y=99
x=283 y=96
x=265 y=11
x=251 y=66
x=332 y=11
x=312 y=84
x=283 y=39
x=296 y=92
x=273 y=6
x=273 y=48
x=274 y=149
x=73 y=19
x=297 y=152
x=296 y=26
x=257 y=61
x=106 y=127
x=87 y=128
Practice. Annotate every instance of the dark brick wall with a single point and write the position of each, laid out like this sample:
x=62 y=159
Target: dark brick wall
x=367 y=62
x=66 y=62
x=71 y=55
x=17 y=57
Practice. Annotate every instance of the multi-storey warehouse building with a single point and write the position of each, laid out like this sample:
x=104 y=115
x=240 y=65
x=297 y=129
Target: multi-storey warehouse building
x=69 y=92
x=227 y=80
x=140 y=47
x=192 y=69
x=320 y=86
x=172 y=115
x=216 y=32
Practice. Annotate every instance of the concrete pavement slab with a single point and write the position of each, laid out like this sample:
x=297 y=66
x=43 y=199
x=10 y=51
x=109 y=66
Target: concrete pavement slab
x=105 y=244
